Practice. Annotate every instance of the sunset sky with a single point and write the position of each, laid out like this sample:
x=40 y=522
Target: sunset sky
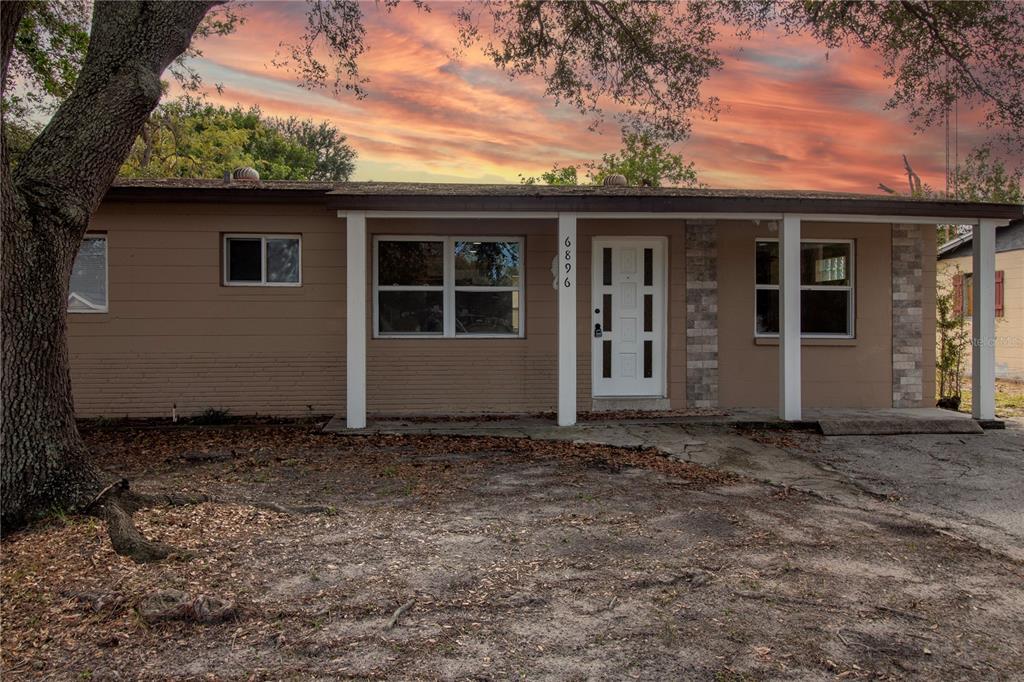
x=791 y=118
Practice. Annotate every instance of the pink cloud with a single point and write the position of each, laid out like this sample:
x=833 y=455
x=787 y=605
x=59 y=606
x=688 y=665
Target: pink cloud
x=791 y=117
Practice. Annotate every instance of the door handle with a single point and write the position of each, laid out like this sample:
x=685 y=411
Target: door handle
x=597 y=330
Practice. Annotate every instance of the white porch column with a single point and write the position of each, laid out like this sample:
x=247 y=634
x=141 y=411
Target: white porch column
x=983 y=324
x=566 y=259
x=355 y=323
x=789 y=318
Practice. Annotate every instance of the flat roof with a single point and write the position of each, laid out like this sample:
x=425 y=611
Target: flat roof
x=402 y=196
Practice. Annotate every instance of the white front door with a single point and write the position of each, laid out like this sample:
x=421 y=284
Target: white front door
x=627 y=327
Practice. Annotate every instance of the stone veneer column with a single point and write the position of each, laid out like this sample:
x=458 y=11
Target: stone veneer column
x=701 y=314
x=907 y=316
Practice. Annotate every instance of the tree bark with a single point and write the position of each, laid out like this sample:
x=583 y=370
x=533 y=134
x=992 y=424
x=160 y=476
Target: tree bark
x=47 y=203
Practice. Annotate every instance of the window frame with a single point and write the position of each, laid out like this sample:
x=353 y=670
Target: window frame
x=106 y=276
x=448 y=286
x=851 y=289
x=263 y=237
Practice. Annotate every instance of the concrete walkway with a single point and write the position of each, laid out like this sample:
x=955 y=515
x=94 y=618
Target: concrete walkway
x=971 y=484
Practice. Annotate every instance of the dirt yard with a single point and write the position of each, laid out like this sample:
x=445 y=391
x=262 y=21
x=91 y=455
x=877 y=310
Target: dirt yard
x=513 y=559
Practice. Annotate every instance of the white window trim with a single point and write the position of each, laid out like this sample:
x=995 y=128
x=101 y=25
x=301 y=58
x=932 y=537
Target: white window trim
x=263 y=237
x=850 y=288
x=449 y=288
x=93 y=309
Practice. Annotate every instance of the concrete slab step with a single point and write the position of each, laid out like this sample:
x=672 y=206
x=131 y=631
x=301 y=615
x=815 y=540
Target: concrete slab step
x=894 y=427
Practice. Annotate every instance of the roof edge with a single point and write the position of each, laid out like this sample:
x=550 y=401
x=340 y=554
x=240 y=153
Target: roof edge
x=404 y=197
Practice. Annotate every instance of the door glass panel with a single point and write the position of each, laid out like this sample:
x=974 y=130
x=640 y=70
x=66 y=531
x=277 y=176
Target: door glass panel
x=606 y=359
x=606 y=311
x=648 y=312
x=648 y=267
x=606 y=266
x=648 y=359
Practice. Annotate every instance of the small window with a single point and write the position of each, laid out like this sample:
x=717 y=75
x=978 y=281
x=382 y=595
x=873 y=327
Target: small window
x=448 y=286
x=88 y=290
x=826 y=288
x=262 y=260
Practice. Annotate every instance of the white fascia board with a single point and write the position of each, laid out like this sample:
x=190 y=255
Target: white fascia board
x=888 y=219
x=503 y=215
x=656 y=215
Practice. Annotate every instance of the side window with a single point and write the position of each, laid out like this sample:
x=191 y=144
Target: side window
x=88 y=290
x=262 y=260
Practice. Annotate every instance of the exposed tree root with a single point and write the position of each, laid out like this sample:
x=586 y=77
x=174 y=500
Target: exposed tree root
x=128 y=540
x=168 y=605
x=117 y=503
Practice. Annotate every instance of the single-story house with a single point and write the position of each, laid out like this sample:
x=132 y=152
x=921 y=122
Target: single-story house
x=956 y=270
x=288 y=298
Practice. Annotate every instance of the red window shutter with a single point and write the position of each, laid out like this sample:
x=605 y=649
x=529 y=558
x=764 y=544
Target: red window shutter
x=999 y=293
x=958 y=295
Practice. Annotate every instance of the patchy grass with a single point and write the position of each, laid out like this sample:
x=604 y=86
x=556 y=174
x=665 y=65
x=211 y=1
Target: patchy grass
x=522 y=559
x=1009 y=398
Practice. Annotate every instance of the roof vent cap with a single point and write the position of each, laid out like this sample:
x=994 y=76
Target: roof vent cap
x=245 y=173
x=615 y=180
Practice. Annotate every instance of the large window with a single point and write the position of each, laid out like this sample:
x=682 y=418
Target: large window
x=826 y=288
x=88 y=291
x=262 y=260
x=448 y=286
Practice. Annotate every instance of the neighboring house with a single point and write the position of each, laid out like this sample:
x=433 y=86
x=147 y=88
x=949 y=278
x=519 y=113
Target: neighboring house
x=955 y=263
x=288 y=298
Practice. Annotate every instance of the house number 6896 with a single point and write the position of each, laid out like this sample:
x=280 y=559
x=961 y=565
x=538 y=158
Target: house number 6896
x=568 y=263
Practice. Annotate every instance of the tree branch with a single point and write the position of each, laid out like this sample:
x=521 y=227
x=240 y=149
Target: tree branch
x=73 y=161
x=10 y=20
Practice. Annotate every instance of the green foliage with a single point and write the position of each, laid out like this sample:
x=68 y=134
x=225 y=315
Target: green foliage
x=18 y=134
x=186 y=138
x=935 y=54
x=48 y=51
x=982 y=177
x=558 y=175
x=954 y=338
x=648 y=59
x=644 y=161
x=50 y=46
x=335 y=160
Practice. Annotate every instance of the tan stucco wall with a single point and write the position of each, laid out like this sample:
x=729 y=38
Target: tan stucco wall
x=452 y=375
x=1009 y=327
x=430 y=376
x=855 y=374
x=175 y=335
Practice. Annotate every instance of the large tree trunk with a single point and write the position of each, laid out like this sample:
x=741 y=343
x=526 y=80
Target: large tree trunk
x=44 y=463
x=47 y=203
